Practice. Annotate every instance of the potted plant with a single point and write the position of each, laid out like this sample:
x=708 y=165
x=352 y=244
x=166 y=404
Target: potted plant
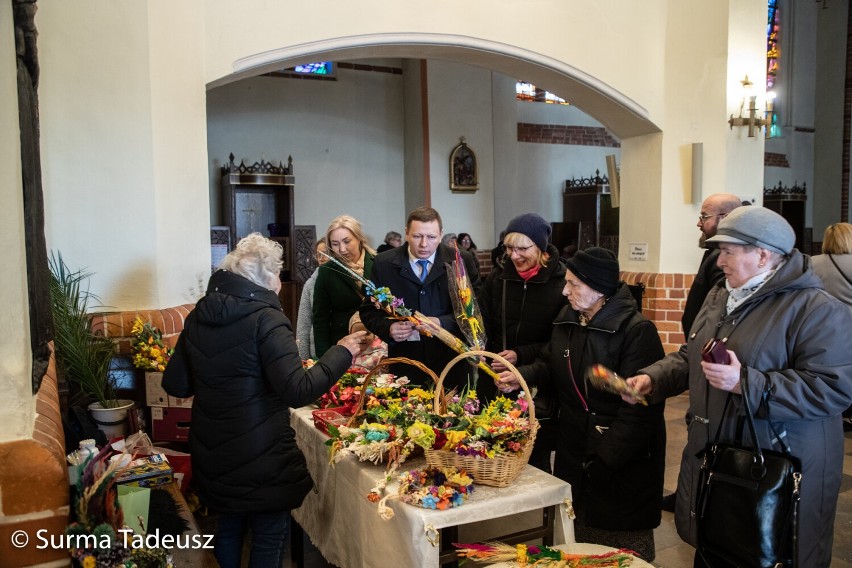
x=84 y=357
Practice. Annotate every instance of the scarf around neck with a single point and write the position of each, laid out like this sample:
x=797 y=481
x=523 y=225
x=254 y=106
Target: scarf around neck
x=737 y=296
x=527 y=274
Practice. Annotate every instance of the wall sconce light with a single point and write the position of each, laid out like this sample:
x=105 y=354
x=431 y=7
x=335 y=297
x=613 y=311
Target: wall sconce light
x=752 y=120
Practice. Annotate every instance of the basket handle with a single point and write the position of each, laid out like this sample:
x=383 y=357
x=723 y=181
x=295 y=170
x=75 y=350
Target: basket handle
x=375 y=371
x=439 y=388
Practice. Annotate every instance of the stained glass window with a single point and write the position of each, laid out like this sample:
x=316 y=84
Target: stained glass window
x=319 y=68
x=773 y=55
x=530 y=93
x=772 y=52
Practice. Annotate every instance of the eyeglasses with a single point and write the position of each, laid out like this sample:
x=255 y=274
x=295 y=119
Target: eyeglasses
x=703 y=218
x=520 y=250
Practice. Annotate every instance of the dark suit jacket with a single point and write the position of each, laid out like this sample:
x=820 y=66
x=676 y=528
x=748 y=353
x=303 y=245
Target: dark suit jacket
x=431 y=298
x=708 y=274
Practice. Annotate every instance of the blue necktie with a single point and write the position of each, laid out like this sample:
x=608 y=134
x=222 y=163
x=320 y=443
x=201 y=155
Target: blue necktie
x=424 y=269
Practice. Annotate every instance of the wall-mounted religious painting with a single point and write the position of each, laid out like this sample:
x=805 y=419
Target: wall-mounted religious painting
x=464 y=173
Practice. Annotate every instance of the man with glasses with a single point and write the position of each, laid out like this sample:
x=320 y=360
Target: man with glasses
x=715 y=208
x=416 y=272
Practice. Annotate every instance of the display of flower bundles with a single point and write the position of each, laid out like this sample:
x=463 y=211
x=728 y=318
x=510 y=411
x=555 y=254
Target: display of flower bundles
x=380 y=430
x=344 y=395
x=501 y=428
x=493 y=443
x=428 y=488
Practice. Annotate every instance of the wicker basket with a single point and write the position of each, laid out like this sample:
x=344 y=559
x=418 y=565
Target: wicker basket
x=386 y=362
x=498 y=471
x=391 y=451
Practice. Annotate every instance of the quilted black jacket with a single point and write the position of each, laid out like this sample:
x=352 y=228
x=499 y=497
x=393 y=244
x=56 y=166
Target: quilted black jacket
x=238 y=356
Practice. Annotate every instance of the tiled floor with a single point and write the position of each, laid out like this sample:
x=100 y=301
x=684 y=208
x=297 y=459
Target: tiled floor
x=672 y=552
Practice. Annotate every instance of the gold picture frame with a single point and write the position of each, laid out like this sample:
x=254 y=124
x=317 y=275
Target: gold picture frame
x=464 y=171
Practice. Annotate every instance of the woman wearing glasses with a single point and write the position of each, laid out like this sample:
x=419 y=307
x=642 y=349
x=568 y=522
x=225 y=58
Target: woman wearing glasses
x=519 y=303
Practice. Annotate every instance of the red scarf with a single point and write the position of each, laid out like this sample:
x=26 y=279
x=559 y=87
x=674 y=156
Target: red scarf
x=527 y=274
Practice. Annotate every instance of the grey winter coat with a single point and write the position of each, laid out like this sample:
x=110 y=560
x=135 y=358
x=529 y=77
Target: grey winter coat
x=237 y=355
x=792 y=339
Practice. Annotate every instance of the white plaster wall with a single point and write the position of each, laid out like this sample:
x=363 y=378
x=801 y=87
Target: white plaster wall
x=345 y=137
x=460 y=105
x=828 y=118
x=123 y=146
x=17 y=412
x=508 y=195
x=592 y=36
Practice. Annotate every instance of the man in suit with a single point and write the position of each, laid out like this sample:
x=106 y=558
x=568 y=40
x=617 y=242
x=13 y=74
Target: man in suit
x=715 y=208
x=416 y=272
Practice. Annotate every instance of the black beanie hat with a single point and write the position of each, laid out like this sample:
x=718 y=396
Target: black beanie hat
x=533 y=226
x=597 y=267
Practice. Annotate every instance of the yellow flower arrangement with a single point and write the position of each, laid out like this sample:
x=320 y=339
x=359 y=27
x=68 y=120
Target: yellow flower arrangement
x=149 y=351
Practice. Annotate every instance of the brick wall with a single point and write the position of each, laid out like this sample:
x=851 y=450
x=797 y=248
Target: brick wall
x=562 y=134
x=484 y=258
x=117 y=325
x=34 y=483
x=663 y=302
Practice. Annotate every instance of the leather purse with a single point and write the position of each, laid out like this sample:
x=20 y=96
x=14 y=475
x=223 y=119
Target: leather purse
x=747 y=506
x=714 y=351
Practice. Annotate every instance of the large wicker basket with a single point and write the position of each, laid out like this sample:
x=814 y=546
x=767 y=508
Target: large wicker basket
x=498 y=471
x=391 y=452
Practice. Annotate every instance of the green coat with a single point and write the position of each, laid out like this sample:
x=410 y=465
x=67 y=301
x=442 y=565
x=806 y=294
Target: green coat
x=336 y=297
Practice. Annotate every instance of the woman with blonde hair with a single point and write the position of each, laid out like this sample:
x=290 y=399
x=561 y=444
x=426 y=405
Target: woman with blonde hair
x=336 y=294
x=238 y=357
x=834 y=265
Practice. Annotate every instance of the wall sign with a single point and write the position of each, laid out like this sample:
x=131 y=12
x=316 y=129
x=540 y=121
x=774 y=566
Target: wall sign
x=638 y=251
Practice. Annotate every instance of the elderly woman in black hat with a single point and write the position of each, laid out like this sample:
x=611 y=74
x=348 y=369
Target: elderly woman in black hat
x=789 y=354
x=611 y=452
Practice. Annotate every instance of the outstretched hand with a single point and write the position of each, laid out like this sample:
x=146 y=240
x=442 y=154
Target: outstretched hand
x=354 y=342
x=642 y=384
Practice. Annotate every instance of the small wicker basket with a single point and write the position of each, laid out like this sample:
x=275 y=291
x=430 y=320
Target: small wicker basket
x=498 y=471
x=386 y=362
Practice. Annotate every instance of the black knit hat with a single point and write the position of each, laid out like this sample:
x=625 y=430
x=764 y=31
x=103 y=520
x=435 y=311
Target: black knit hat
x=597 y=267
x=533 y=226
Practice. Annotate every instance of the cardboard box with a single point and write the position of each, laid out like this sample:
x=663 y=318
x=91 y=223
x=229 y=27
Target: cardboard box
x=148 y=471
x=154 y=393
x=170 y=424
x=175 y=402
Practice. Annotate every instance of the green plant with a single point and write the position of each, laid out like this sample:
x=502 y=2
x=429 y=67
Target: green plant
x=83 y=357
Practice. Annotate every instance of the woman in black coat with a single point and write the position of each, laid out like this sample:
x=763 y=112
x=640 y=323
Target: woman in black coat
x=519 y=302
x=336 y=294
x=237 y=355
x=612 y=453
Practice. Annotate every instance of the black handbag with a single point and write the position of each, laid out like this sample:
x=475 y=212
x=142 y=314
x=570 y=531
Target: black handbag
x=747 y=507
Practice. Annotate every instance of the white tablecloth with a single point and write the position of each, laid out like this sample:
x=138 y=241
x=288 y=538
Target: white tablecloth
x=347 y=530
x=580 y=548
